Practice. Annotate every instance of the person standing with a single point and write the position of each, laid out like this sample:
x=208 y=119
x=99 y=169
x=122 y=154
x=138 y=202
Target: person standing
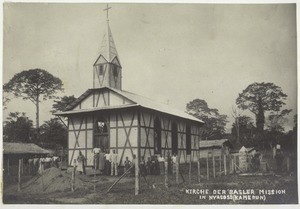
x=174 y=163
x=30 y=166
x=36 y=162
x=96 y=152
x=169 y=160
x=107 y=163
x=156 y=166
x=279 y=159
x=148 y=166
x=161 y=161
x=127 y=164
x=101 y=161
x=81 y=163
x=114 y=163
x=143 y=167
x=132 y=171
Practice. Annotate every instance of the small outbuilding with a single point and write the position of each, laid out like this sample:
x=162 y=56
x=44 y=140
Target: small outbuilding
x=13 y=151
x=217 y=147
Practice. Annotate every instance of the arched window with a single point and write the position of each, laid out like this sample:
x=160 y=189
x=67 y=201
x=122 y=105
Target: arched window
x=174 y=138
x=157 y=136
x=188 y=139
x=101 y=134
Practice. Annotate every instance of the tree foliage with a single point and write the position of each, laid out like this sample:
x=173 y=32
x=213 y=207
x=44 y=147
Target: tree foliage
x=259 y=98
x=60 y=105
x=53 y=132
x=33 y=85
x=214 y=127
x=18 y=128
x=246 y=129
x=276 y=120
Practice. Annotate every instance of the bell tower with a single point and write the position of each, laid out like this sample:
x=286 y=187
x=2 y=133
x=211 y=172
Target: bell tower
x=107 y=68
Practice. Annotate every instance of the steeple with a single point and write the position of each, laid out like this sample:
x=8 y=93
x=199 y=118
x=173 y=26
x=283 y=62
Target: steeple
x=107 y=68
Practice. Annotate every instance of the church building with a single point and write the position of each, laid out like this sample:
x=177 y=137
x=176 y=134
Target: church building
x=106 y=116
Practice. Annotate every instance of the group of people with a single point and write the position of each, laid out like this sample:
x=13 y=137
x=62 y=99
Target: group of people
x=36 y=164
x=154 y=165
x=106 y=163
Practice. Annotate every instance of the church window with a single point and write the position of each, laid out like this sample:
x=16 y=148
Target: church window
x=157 y=136
x=188 y=139
x=174 y=138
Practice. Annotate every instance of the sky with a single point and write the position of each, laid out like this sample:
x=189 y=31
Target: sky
x=172 y=53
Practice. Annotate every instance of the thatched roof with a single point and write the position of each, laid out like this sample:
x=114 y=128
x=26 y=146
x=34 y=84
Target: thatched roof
x=213 y=143
x=23 y=148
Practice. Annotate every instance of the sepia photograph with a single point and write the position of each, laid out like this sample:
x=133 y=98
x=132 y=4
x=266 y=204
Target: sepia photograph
x=149 y=103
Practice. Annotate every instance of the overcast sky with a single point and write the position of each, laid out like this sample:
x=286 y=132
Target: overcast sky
x=169 y=52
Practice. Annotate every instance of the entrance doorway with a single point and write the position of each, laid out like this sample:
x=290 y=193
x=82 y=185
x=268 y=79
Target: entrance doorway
x=101 y=135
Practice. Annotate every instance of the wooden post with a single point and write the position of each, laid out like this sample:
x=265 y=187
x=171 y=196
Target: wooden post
x=7 y=166
x=138 y=155
x=42 y=175
x=190 y=170
x=73 y=178
x=95 y=177
x=214 y=164
x=137 y=177
x=232 y=165
x=225 y=165
x=61 y=157
x=22 y=166
x=166 y=174
x=19 y=175
x=177 y=170
x=288 y=163
x=207 y=166
x=220 y=163
x=199 y=170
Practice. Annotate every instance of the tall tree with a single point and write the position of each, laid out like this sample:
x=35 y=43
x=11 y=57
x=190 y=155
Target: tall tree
x=259 y=98
x=18 y=127
x=214 y=127
x=33 y=85
x=61 y=105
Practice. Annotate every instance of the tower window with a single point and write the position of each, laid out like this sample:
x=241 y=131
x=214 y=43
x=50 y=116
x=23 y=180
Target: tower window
x=100 y=69
x=115 y=71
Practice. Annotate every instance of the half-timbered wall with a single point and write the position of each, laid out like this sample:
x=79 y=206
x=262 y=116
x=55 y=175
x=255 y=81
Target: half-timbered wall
x=147 y=136
x=123 y=131
x=123 y=134
x=102 y=98
x=80 y=136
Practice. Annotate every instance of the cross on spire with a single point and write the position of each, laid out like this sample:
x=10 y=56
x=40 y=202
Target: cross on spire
x=106 y=9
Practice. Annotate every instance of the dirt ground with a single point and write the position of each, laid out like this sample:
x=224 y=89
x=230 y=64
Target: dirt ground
x=57 y=189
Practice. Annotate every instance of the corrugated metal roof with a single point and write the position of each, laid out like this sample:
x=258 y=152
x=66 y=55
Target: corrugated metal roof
x=23 y=148
x=137 y=99
x=212 y=143
x=149 y=103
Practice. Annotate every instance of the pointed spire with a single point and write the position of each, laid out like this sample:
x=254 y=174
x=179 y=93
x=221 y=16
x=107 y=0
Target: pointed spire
x=108 y=48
